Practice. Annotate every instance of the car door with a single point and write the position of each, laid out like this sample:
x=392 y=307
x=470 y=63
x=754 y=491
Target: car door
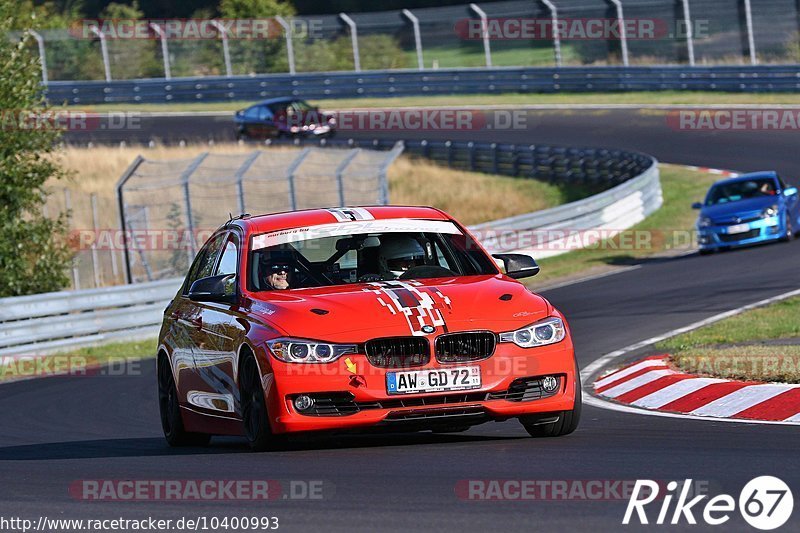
x=215 y=351
x=185 y=319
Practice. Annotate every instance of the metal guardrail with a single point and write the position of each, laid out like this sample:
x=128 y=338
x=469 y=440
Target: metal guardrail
x=393 y=83
x=50 y=322
x=44 y=323
x=609 y=212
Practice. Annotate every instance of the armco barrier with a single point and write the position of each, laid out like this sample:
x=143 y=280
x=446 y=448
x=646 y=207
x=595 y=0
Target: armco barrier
x=45 y=323
x=393 y=83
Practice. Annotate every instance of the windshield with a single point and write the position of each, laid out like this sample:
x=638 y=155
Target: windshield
x=741 y=190
x=326 y=255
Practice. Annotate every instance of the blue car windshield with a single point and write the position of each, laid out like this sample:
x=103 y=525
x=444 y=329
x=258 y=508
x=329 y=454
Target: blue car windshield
x=741 y=190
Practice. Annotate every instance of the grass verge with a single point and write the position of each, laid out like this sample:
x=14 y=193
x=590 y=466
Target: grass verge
x=761 y=344
x=667 y=230
x=79 y=361
x=632 y=98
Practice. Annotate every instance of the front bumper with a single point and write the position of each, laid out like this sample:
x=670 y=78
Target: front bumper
x=758 y=231
x=366 y=403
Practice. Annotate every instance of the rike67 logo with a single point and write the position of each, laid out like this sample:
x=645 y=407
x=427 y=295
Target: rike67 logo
x=765 y=502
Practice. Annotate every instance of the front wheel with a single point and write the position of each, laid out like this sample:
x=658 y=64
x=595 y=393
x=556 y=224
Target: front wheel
x=789 y=235
x=566 y=423
x=254 y=408
x=171 y=421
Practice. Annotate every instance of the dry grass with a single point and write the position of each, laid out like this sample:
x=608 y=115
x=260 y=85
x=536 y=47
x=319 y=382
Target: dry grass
x=470 y=197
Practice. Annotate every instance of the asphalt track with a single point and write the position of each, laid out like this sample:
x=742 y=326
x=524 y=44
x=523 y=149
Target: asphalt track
x=59 y=430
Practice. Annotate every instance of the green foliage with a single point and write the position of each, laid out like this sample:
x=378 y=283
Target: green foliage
x=33 y=250
x=255 y=8
x=376 y=52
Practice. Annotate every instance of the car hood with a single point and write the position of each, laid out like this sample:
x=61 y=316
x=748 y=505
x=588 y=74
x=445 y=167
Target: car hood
x=751 y=207
x=362 y=311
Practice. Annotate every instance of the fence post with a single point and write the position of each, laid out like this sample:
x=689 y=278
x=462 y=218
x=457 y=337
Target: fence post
x=103 y=50
x=417 y=37
x=122 y=220
x=687 y=17
x=487 y=51
x=240 y=172
x=226 y=53
x=95 y=262
x=187 y=198
x=623 y=37
x=393 y=154
x=76 y=282
x=42 y=57
x=340 y=173
x=290 y=176
x=751 y=41
x=354 y=38
x=287 y=32
x=164 y=49
x=556 y=34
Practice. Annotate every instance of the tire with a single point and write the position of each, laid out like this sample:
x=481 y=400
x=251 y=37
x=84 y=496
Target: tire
x=789 y=235
x=255 y=418
x=171 y=421
x=567 y=420
x=705 y=251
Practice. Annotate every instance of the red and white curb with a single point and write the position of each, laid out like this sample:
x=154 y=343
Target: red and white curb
x=716 y=171
x=653 y=384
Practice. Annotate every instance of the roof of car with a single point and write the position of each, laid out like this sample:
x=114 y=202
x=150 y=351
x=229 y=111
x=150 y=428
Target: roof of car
x=278 y=100
x=314 y=217
x=750 y=176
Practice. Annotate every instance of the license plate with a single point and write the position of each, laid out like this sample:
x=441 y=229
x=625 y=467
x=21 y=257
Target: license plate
x=433 y=380
x=739 y=228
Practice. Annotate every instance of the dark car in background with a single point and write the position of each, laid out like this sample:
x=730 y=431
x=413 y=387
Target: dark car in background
x=283 y=117
x=749 y=209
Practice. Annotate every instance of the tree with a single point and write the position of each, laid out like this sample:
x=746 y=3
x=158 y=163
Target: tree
x=34 y=252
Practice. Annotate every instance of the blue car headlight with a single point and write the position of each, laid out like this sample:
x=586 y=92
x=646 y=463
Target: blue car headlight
x=770 y=211
x=703 y=222
x=547 y=331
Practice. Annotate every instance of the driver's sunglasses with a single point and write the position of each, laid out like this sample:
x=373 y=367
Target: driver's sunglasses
x=279 y=268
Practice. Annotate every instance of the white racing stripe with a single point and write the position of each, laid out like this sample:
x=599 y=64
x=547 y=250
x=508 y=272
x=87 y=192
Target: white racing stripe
x=627 y=372
x=795 y=418
x=636 y=382
x=672 y=392
x=740 y=400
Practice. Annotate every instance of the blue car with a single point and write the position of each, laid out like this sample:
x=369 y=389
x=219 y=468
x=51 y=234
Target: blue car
x=750 y=209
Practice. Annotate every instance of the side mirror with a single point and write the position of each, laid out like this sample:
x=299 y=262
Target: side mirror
x=220 y=289
x=790 y=191
x=697 y=205
x=518 y=265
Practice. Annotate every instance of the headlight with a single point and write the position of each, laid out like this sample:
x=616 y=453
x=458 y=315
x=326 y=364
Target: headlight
x=771 y=211
x=542 y=333
x=307 y=351
x=703 y=222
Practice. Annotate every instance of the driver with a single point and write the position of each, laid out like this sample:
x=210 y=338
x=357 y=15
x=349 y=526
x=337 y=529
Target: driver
x=398 y=254
x=275 y=272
